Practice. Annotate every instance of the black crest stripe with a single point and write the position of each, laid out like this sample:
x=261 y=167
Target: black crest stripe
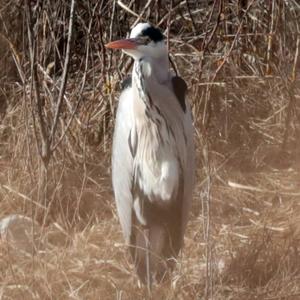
x=153 y=33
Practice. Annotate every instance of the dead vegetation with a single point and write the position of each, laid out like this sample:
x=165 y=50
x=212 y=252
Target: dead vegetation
x=58 y=95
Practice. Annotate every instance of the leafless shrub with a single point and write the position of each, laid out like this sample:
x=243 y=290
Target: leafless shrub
x=58 y=95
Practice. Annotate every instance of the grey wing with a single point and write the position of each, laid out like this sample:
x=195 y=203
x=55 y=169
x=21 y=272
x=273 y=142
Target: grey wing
x=180 y=91
x=189 y=169
x=122 y=162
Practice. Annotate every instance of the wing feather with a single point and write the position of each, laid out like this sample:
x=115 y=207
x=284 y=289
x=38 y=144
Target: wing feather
x=189 y=168
x=122 y=162
x=173 y=103
x=122 y=157
x=188 y=163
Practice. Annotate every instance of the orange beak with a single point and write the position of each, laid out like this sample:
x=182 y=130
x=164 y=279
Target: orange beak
x=122 y=44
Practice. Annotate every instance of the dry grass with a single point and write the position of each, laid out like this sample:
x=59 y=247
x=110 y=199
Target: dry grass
x=240 y=59
x=254 y=236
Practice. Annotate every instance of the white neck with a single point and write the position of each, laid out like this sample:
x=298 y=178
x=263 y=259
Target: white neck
x=160 y=68
x=157 y=68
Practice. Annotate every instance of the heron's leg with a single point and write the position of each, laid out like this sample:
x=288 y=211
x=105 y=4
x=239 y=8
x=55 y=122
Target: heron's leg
x=149 y=279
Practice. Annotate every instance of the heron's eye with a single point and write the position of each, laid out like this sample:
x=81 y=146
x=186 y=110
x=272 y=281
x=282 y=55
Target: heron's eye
x=145 y=40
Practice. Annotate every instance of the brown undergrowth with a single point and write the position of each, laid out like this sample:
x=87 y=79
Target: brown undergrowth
x=240 y=60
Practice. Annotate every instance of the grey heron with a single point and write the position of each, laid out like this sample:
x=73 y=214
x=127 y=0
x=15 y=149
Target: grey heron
x=153 y=155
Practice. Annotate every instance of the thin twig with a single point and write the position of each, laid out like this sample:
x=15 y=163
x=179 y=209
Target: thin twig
x=23 y=196
x=64 y=75
x=142 y=12
x=270 y=38
x=121 y=4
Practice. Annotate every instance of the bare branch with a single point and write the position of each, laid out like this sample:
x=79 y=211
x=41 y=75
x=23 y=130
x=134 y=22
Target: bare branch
x=64 y=75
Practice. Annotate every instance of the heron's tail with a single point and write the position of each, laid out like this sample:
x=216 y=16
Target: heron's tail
x=154 y=250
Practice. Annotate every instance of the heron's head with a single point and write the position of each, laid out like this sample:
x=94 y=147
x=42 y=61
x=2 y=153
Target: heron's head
x=145 y=41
